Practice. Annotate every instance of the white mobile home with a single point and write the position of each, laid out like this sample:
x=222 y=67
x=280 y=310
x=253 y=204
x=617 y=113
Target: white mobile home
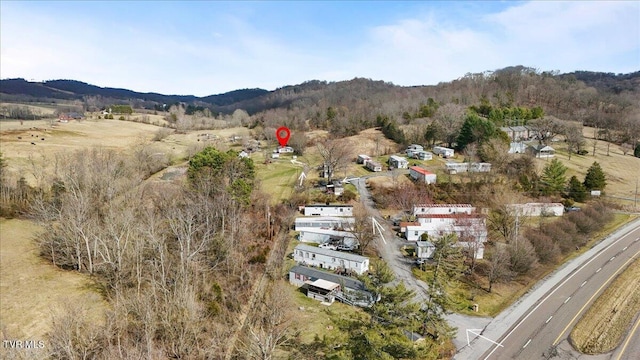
x=537 y=209
x=327 y=236
x=328 y=210
x=442 y=209
x=398 y=162
x=443 y=151
x=422 y=175
x=373 y=166
x=423 y=155
x=330 y=259
x=362 y=159
x=324 y=222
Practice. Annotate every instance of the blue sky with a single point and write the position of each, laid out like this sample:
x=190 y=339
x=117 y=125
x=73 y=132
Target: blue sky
x=205 y=48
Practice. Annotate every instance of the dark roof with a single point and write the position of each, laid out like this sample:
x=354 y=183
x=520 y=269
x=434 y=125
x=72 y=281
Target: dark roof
x=315 y=274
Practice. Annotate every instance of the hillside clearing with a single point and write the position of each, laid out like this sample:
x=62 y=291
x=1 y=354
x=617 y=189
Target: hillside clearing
x=31 y=289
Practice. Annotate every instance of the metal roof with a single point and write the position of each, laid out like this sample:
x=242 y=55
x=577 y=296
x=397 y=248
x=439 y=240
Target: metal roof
x=332 y=253
x=314 y=274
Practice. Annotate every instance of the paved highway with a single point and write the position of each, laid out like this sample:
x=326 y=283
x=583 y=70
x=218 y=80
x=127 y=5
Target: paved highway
x=538 y=325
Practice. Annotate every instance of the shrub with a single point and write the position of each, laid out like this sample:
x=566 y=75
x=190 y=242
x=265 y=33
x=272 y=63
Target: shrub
x=162 y=133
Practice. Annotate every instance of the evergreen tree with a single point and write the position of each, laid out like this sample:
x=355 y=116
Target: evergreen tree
x=553 y=178
x=475 y=129
x=595 y=179
x=576 y=190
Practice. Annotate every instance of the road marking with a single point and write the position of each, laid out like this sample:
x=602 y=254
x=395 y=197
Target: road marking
x=549 y=319
x=558 y=286
x=629 y=337
x=566 y=301
x=525 y=345
x=597 y=271
x=624 y=248
x=583 y=283
x=613 y=257
x=555 y=342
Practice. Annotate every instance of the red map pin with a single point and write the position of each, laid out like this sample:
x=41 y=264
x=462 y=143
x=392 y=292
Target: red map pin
x=283 y=133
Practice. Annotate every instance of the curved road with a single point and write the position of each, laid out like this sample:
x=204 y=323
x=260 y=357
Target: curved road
x=538 y=325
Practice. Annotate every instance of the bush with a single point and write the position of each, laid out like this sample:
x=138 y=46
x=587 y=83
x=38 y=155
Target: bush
x=348 y=195
x=582 y=152
x=162 y=134
x=121 y=117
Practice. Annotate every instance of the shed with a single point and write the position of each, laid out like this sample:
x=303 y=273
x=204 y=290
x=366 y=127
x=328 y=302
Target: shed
x=362 y=159
x=542 y=151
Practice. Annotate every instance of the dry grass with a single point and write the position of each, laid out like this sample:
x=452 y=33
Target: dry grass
x=622 y=171
x=605 y=324
x=32 y=290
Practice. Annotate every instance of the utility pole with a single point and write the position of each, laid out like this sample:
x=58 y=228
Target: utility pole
x=635 y=199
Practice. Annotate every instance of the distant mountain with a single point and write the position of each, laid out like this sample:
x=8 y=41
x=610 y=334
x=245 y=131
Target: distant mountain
x=607 y=82
x=77 y=90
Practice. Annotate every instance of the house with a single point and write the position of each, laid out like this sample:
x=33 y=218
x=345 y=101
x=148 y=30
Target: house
x=330 y=259
x=328 y=210
x=324 y=222
x=373 y=166
x=422 y=175
x=537 y=209
x=520 y=133
x=422 y=155
x=404 y=224
x=542 y=151
x=413 y=149
x=362 y=159
x=398 y=162
x=285 y=149
x=517 y=148
x=351 y=291
x=509 y=131
x=443 y=151
x=442 y=209
x=480 y=167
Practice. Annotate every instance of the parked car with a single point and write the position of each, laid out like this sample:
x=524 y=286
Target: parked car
x=419 y=261
x=345 y=247
x=571 y=208
x=328 y=246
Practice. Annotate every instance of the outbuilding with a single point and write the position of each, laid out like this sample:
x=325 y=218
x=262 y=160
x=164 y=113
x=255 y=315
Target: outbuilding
x=443 y=151
x=373 y=166
x=398 y=162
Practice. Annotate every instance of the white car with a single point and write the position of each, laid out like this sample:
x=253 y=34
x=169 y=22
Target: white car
x=328 y=246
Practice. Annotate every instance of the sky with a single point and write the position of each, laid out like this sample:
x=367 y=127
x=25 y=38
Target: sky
x=211 y=47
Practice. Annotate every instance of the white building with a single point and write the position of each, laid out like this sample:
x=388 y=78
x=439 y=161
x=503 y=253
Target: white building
x=325 y=222
x=327 y=236
x=517 y=148
x=362 y=159
x=443 y=151
x=422 y=155
x=373 y=166
x=413 y=149
x=285 y=149
x=442 y=209
x=424 y=249
x=328 y=210
x=351 y=291
x=537 y=209
x=455 y=168
x=398 y=162
x=330 y=259
x=422 y=175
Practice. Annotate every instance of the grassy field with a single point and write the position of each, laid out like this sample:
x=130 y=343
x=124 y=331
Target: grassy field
x=603 y=327
x=32 y=290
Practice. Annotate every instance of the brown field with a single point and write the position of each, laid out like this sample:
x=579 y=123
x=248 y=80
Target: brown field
x=603 y=327
x=36 y=108
x=32 y=290
x=622 y=171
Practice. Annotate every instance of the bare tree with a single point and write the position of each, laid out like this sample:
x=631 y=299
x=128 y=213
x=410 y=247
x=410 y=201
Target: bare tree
x=450 y=118
x=336 y=154
x=574 y=138
x=362 y=227
x=497 y=269
x=547 y=128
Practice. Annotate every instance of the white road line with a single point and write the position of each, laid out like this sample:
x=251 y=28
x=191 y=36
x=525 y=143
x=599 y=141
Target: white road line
x=597 y=271
x=525 y=345
x=624 y=248
x=549 y=319
x=613 y=257
x=566 y=301
x=558 y=286
x=583 y=283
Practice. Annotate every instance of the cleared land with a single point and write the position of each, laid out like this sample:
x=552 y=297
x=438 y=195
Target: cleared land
x=607 y=321
x=31 y=289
